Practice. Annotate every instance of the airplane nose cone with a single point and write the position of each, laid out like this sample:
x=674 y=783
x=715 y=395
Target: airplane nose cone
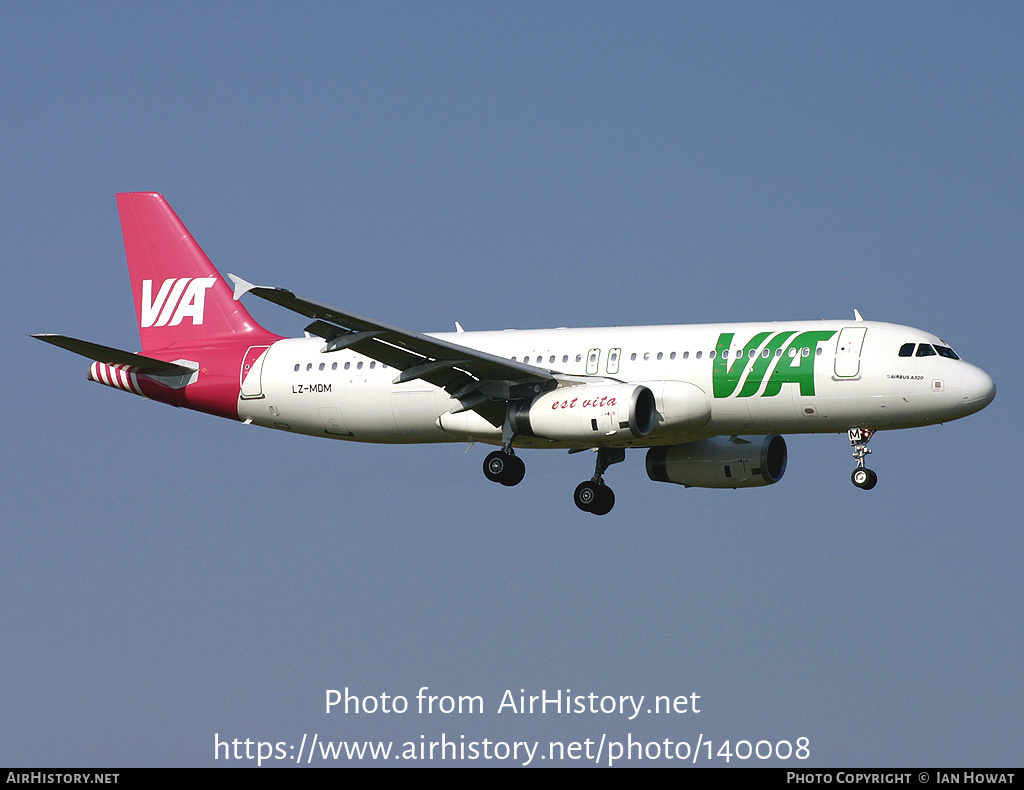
x=977 y=388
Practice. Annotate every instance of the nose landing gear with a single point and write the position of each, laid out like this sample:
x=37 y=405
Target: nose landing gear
x=862 y=476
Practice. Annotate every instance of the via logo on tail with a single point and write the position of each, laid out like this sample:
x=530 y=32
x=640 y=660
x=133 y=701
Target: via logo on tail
x=177 y=299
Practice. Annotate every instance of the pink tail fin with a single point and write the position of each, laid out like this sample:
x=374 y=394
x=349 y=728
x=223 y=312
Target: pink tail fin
x=181 y=300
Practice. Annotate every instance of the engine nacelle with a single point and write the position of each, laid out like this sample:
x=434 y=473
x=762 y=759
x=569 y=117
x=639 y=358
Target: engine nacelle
x=720 y=462
x=682 y=407
x=589 y=412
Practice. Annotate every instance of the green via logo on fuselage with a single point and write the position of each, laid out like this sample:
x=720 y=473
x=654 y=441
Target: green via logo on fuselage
x=763 y=350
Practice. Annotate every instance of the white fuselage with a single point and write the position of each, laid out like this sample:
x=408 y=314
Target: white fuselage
x=783 y=377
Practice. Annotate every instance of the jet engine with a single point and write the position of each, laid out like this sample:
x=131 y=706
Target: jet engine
x=588 y=412
x=720 y=462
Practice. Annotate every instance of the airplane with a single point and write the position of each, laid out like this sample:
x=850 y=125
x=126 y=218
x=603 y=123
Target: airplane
x=709 y=402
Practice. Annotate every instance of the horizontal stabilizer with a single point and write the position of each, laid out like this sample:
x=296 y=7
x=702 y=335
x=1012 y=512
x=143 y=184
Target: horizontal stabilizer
x=114 y=356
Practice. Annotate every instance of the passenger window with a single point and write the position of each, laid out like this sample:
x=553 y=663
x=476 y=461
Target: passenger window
x=309 y=366
x=373 y=365
x=334 y=366
x=907 y=350
x=924 y=350
x=297 y=368
x=698 y=354
x=348 y=365
x=672 y=355
x=359 y=366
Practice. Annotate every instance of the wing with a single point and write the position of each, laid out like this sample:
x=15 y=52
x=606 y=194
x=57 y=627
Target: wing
x=480 y=381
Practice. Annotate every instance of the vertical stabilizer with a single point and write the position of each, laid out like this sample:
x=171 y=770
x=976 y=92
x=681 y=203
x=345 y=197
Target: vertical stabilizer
x=181 y=300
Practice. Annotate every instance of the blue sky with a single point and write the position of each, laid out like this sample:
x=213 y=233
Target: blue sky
x=167 y=576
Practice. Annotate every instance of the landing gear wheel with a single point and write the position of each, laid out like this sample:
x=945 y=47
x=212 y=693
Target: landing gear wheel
x=605 y=501
x=591 y=497
x=504 y=468
x=515 y=471
x=494 y=466
x=864 y=478
x=585 y=495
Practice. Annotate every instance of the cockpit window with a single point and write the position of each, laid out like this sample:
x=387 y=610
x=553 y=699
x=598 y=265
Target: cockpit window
x=907 y=350
x=946 y=351
x=924 y=350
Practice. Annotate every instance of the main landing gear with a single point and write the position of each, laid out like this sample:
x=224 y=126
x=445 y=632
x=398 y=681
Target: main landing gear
x=593 y=496
x=862 y=476
x=505 y=467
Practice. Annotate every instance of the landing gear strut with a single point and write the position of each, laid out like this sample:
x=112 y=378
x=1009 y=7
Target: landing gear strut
x=593 y=496
x=505 y=467
x=862 y=476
